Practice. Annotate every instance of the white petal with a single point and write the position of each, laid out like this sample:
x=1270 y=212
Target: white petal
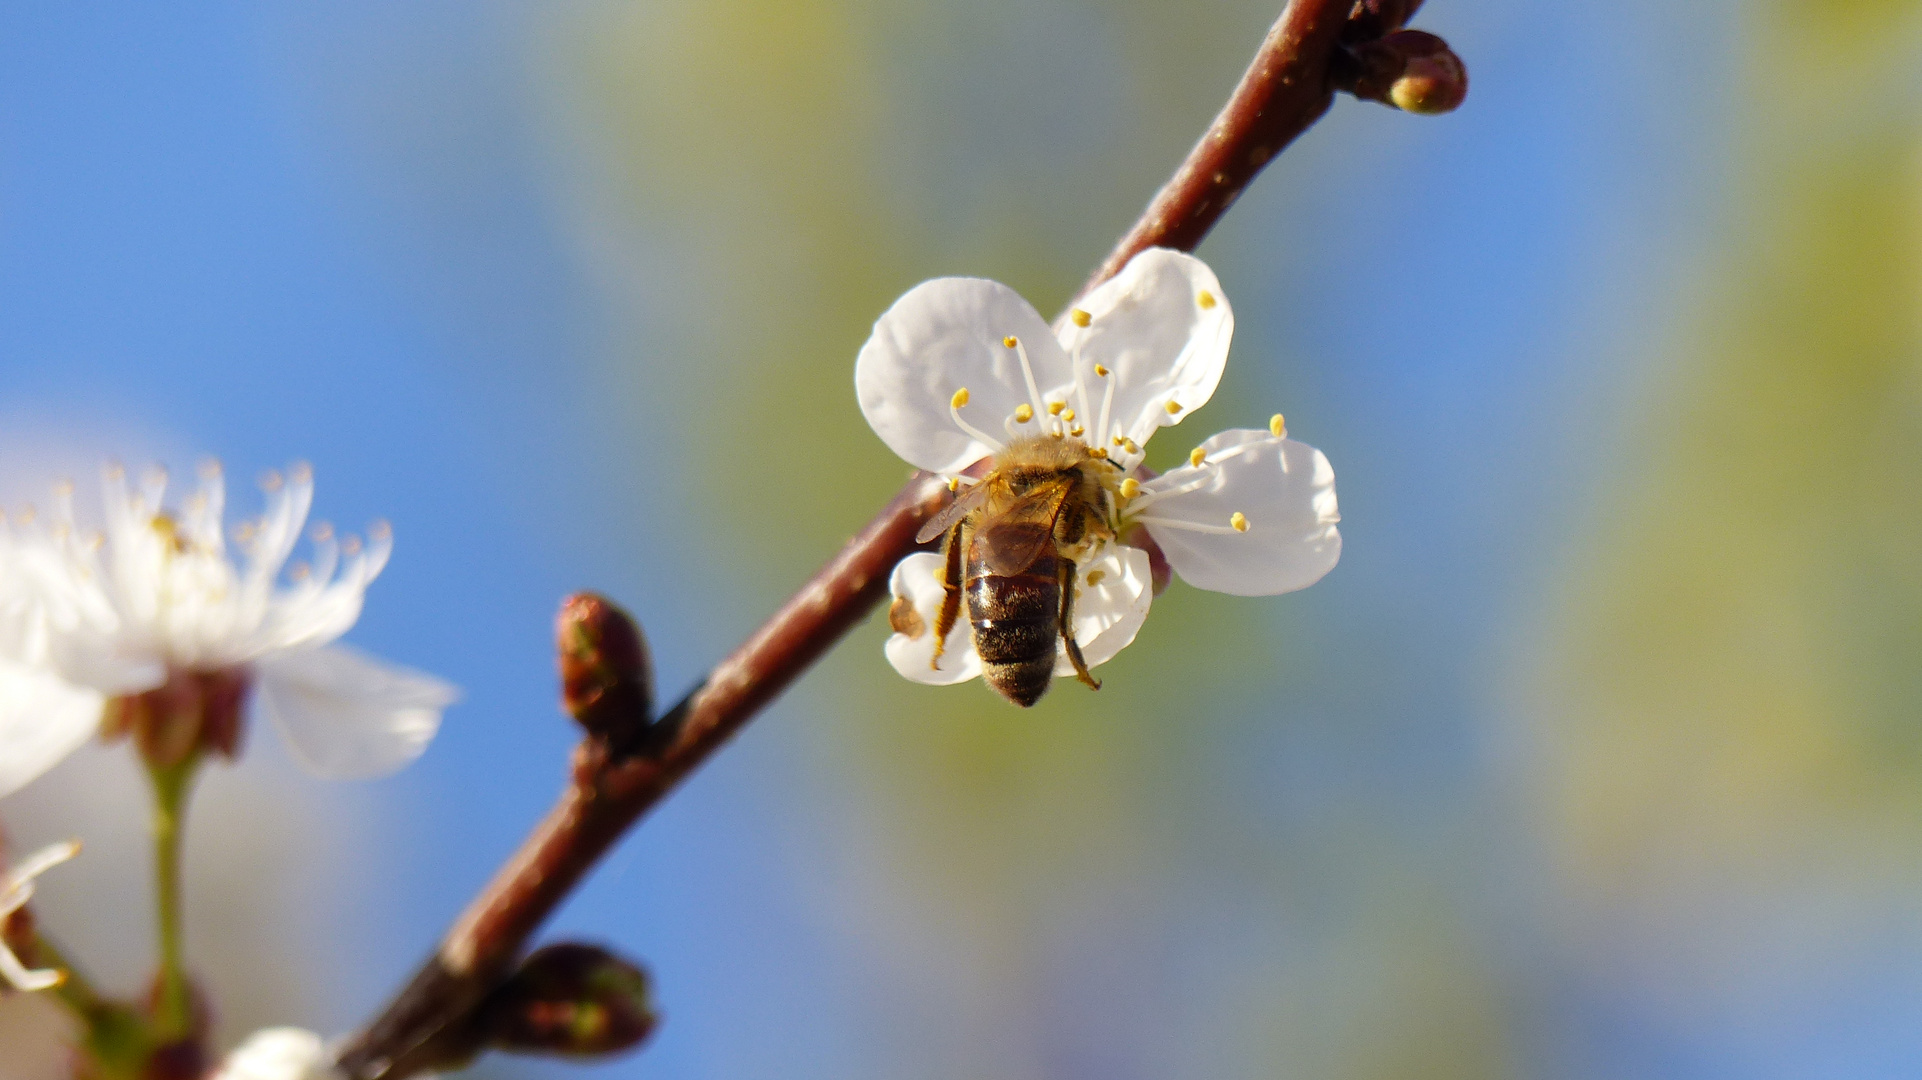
x=1108 y=614
x=946 y=335
x=1149 y=328
x=43 y=718
x=21 y=977
x=104 y=663
x=283 y=1053
x=16 y=888
x=348 y=716
x=1287 y=491
x=917 y=579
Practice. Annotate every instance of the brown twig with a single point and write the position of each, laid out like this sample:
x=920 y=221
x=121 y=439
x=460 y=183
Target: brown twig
x=1286 y=89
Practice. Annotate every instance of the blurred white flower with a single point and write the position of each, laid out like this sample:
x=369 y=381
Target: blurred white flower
x=959 y=369
x=154 y=617
x=16 y=888
x=282 y=1053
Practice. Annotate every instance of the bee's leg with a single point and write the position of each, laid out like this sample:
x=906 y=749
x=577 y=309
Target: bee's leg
x=950 y=596
x=1066 y=625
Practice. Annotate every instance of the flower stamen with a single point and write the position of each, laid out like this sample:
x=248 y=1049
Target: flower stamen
x=1107 y=407
x=1186 y=526
x=1027 y=370
x=955 y=403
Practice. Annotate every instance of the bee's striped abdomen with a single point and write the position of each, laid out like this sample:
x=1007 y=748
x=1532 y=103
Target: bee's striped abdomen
x=1015 y=629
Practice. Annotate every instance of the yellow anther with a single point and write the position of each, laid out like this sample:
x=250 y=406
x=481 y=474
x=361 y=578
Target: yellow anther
x=1101 y=371
x=1197 y=456
x=1206 y=300
x=1277 y=426
x=1130 y=488
x=1095 y=576
x=1023 y=413
x=1173 y=406
x=1131 y=446
x=1099 y=452
x=1067 y=415
x=1055 y=407
x=1080 y=317
x=954 y=484
x=1119 y=441
x=1240 y=521
x=959 y=399
x=1077 y=431
x=1009 y=341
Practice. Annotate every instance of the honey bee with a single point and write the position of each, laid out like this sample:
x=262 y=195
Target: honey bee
x=1013 y=541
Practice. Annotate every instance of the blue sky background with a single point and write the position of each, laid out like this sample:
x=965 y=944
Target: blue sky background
x=537 y=282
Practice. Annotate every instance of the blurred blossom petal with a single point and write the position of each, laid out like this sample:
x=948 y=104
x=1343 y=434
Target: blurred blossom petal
x=157 y=601
x=16 y=888
x=348 y=716
x=282 y=1053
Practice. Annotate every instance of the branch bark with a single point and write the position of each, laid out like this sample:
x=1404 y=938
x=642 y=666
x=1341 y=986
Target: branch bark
x=1285 y=90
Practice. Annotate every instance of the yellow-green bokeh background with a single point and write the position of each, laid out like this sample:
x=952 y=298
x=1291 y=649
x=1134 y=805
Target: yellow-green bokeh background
x=1598 y=756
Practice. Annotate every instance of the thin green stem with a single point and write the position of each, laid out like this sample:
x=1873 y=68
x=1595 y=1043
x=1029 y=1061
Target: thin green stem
x=173 y=1018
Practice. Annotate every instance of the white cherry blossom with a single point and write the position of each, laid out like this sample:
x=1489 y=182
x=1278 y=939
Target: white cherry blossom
x=960 y=368
x=280 y=1053
x=16 y=888
x=157 y=601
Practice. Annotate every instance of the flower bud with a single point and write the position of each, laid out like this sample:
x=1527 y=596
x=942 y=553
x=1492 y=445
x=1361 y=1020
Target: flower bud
x=607 y=678
x=192 y=712
x=1434 y=80
x=1411 y=70
x=570 y=1000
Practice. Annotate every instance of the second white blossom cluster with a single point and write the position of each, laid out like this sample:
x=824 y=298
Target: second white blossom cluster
x=153 y=611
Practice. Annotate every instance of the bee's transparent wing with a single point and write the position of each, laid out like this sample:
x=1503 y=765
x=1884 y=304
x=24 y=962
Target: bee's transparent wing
x=1016 y=538
x=963 y=504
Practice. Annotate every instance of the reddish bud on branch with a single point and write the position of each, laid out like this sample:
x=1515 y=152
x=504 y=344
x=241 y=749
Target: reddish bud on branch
x=570 y=1000
x=1409 y=69
x=607 y=676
